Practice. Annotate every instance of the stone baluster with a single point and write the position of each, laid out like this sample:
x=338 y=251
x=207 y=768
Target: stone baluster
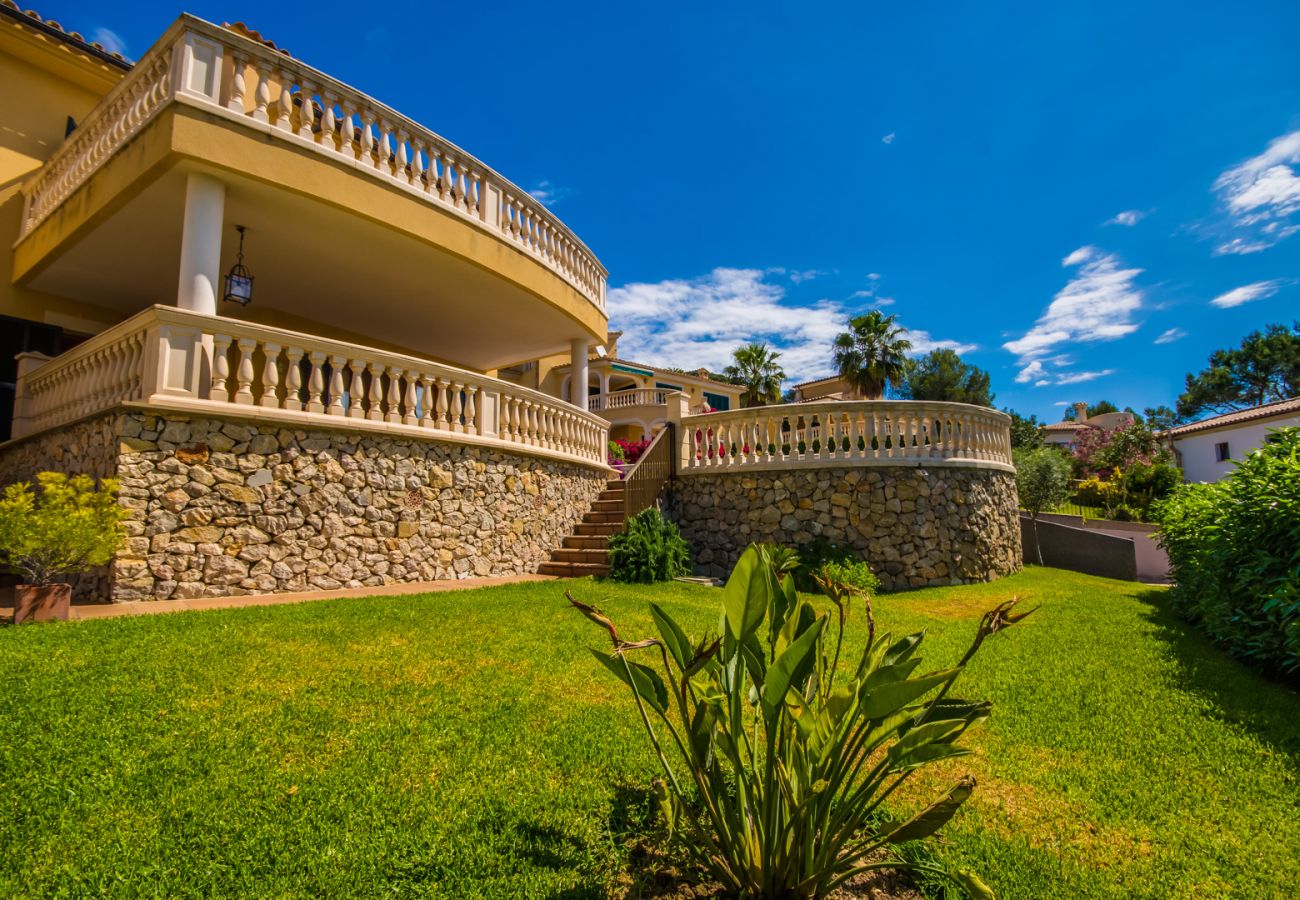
x=417 y=164
x=262 y=91
x=411 y=415
x=337 y=363
x=244 y=371
x=427 y=398
x=220 y=389
x=270 y=376
x=236 y=103
x=403 y=169
x=505 y=429
x=331 y=132
x=472 y=409
x=284 y=102
x=375 y=394
x=316 y=382
x=357 y=389
x=365 y=138
x=293 y=379
x=440 y=405
x=384 y=152
x=392 y=396
x=306 y=111
x=457 y=407
x=446 y=188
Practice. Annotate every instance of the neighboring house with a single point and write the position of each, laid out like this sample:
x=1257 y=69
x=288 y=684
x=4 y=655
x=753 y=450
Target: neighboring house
x=319 y=346
x=1209 y=449
x=832 y=387
x=1066 y=434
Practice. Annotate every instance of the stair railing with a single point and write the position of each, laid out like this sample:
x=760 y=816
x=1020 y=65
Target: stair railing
x=643 y=483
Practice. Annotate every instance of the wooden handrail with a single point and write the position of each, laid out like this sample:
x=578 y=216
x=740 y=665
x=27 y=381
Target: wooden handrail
x=643 y=483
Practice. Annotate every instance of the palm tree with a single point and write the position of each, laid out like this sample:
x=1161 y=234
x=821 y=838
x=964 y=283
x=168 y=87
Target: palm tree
x=755 y=366
x=872 y=353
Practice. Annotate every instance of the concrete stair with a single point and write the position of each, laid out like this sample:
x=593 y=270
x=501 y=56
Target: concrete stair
x=584 y=551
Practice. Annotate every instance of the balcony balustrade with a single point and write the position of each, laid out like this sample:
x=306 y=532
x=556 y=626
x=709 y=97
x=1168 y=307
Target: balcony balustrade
x=169 y=359
x=627 y=399
x=256 y=87
x=853 y=433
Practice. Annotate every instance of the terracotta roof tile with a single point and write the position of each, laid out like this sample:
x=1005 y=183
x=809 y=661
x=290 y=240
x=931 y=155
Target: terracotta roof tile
x=1264 y=411
x=30 y=17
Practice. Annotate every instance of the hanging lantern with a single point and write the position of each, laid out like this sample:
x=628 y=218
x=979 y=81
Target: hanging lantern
x=239 y=281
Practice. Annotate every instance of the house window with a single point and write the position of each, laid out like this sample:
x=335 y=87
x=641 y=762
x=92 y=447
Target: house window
x=1221 y=452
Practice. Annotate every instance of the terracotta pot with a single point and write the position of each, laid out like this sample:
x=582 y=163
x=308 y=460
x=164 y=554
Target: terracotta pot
x=41 y=602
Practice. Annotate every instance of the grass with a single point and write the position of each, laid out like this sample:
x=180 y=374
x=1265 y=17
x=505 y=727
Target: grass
x=465 y=744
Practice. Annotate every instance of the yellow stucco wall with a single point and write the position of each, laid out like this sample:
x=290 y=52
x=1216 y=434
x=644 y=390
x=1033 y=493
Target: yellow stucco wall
x=45 y=81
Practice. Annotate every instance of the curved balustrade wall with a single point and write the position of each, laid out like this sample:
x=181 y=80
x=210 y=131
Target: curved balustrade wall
x=924 y=492
x=201 y=64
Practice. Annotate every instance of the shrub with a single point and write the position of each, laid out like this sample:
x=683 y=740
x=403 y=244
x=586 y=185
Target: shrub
x=69 y=527
x=631 y=450
x=1234 y=553
x=817 y=553
x=856 y=576
x=781 y=758
x=650 y=549
x=616 y=453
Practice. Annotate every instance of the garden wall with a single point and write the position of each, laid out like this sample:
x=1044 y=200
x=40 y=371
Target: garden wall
x=916 y=526
x=225 y=506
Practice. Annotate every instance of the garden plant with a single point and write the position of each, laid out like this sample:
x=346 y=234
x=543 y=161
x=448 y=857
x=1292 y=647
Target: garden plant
x=650 y=549
x=776 y=757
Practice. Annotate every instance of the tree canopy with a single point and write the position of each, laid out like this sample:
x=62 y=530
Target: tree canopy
x=1265 y=368
x=941 y=375
x=1025 y=431
x=755 y=367
x=872 y=354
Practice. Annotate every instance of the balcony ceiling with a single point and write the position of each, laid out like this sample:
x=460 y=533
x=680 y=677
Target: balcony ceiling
x=317 y=268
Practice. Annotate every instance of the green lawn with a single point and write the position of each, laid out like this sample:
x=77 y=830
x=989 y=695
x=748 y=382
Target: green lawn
x=464 y=744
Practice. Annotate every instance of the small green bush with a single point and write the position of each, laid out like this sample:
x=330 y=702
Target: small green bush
x=69 y=527
x=1234 y=553
x=857 y=576
x=650 y=550
x=817 y=553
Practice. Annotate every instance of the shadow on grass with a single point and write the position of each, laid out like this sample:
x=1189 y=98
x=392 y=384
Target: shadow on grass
x=1238 y=694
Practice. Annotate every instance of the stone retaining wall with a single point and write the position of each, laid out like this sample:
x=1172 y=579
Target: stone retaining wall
x=224 y=506
x=915 y=526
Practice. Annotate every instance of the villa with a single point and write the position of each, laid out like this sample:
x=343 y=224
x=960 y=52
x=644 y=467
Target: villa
x=1066 y=434
x=321 y=346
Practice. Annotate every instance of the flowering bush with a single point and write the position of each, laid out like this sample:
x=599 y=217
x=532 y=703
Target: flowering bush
x=68 y=527
x=631 y=450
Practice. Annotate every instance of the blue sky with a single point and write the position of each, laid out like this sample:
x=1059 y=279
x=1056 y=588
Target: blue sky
x=1084 y=198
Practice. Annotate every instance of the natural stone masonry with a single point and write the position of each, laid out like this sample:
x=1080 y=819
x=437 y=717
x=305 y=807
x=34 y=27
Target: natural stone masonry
x=915 y=526
x=226 y=507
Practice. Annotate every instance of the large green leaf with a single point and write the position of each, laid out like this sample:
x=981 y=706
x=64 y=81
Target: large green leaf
x=644 y=680
x=883 y=699
x=748 y=593
x=678 y=644
x=922 y=736
x=933 y=817
x=791 y=667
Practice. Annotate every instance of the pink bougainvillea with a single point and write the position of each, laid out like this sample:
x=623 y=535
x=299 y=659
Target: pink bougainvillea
x=632 y=450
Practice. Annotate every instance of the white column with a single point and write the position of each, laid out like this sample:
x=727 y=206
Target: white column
x=578 y=373
x=200 y=281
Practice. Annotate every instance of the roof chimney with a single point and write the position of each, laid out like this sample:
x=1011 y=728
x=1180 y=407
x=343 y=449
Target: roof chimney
x=1080 y=412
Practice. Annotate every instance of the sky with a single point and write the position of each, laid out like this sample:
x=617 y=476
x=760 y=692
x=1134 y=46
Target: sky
x=1085 y=199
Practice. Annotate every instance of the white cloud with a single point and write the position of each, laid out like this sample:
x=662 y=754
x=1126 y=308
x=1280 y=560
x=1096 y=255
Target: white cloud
x=1097 y=304
x=799 y=277
x=871 y=296
x=874 y=276
x=1128 y=218
x=1171 y=335
x=1248 y=292
x=110 y=41
x=547 y=193
x=1080 y=377
x=1260 y=196
x=698 y=322
x=889 y=138
x=1062 y=403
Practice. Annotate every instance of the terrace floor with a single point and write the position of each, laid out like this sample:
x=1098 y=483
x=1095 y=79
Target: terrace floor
x=465 y=744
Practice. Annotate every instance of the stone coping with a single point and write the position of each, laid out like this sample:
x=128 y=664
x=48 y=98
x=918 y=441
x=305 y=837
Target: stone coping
x=83 y=611
x=742 y=468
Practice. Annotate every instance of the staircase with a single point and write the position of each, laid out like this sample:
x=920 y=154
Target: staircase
x=583 y=552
